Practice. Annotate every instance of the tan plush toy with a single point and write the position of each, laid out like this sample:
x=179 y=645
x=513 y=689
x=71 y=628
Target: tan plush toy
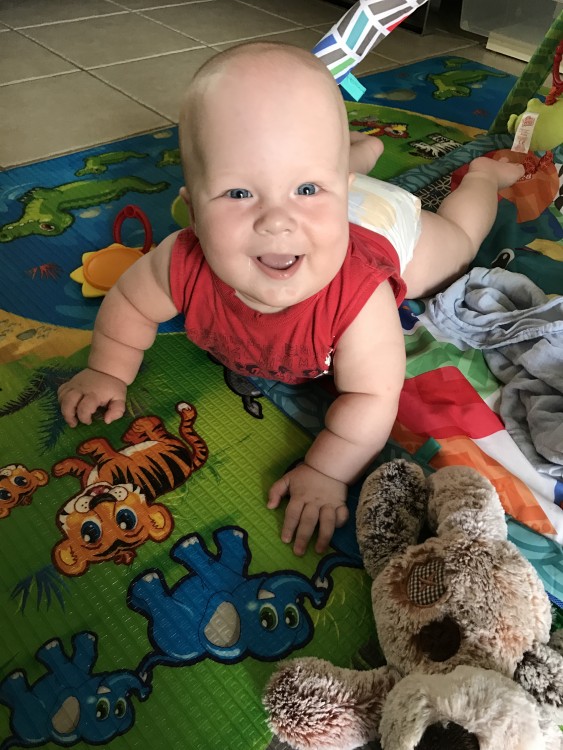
x=463 y=621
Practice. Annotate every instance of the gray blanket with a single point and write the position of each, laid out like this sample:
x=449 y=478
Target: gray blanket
x=520 y=331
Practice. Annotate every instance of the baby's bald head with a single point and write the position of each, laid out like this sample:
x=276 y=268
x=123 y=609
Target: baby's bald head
x=260 y=77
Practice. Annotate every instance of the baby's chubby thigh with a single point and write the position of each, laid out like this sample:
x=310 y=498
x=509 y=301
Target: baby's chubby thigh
x=387 y=210
x=441 y=255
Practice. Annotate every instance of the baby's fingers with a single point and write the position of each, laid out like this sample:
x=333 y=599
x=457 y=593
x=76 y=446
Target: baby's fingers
x=306 y=528
x=277 y=492
x=86 y=408
x=291 y=520
x=115 y=410
x=69 y=399
x=327 y=523
x=342 y=515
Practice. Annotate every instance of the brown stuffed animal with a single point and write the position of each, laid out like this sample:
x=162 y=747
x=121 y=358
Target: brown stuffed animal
x=463 y=621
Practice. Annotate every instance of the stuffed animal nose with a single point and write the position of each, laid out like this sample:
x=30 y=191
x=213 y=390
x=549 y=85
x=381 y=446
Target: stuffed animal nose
x=439 y=640
x=449 y=737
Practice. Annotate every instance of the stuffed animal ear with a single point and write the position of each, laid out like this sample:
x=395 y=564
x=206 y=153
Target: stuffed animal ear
x=464 y=501
x=391 y=510
x=313 y=705
x=540 y=673
x=556 y=641
x=469 y=709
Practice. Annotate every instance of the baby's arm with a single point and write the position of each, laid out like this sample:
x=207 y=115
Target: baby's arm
x=369 y=370
x=125 y=327
x=365 y=150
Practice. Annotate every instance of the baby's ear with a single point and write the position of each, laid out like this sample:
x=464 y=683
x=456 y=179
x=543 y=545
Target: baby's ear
x=185 y=196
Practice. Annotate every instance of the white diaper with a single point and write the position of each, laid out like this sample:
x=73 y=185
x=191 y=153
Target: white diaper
x=388 y=210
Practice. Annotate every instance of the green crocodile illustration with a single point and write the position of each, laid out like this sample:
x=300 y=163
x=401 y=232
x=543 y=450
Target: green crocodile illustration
x=169 y=157
x=47 y=210
x=99 y=164
x=457 y=82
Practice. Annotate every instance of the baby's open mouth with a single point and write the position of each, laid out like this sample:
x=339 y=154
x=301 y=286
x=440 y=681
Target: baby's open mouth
x=277 y=261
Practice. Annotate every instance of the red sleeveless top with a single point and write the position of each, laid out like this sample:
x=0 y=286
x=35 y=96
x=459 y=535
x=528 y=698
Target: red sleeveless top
x=292 y=345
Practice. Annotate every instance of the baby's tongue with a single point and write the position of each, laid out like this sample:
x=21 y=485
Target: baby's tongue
x=277 y=261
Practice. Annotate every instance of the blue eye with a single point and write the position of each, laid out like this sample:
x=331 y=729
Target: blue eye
x=239 y=193
x=308 y=188
x=90 y=532
x=126 y=519
x=5 y=495
x=20 y=481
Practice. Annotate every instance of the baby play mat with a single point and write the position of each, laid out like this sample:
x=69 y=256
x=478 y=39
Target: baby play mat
x=146 y=595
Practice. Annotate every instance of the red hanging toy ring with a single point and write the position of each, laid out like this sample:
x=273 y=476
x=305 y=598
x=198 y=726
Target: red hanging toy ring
x=133 y=212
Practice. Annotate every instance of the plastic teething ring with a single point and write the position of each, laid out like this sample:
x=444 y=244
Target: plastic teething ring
x=133 y=212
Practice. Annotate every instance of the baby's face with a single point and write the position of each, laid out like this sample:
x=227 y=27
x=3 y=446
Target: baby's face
x=270 y=198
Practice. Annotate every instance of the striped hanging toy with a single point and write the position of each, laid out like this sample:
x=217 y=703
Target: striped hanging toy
x=354 y=36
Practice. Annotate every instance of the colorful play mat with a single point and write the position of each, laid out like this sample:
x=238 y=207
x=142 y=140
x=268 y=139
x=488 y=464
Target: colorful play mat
x=146 y=594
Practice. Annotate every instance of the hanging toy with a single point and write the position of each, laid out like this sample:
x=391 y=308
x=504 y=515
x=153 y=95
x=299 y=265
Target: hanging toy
x=100 y=269
x=540 y=127
x=363 y=26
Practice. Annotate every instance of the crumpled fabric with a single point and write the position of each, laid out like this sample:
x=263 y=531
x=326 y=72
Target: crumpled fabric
x=520 y=332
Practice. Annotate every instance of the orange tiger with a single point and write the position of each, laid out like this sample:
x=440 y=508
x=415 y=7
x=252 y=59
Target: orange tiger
x=152 y=459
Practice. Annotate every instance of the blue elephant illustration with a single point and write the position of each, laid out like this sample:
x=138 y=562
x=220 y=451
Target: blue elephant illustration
x=70 y=703
x=218 y=610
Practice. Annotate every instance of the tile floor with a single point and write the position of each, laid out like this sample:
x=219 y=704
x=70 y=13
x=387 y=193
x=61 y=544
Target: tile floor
x=76 y=73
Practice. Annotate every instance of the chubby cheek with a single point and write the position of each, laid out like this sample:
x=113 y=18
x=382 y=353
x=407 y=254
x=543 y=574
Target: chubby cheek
x=327 y=213
x=221 y=230
x=225 y=254
x=330 y=231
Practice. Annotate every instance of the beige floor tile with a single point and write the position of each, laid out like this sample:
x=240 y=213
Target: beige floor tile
x=22 y=59
x=220 y=21
x=146 y=4
x=109 y=39
x=18 y=13
x=158 y=83
x=494 y=60
x=64 y=113
x=406 y=46
x=307 y=13
x=373 y=63
x=304 y=38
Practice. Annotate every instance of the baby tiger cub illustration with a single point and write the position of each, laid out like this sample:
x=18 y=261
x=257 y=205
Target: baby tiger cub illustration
x=153 y=459
x=17 y=485
x=107 y=522
x=115 y=513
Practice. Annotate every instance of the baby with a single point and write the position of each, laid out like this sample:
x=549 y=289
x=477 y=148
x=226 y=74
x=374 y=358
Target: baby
x=271 y=277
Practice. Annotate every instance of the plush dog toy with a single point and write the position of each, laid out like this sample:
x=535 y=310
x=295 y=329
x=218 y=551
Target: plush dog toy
x=463 y=621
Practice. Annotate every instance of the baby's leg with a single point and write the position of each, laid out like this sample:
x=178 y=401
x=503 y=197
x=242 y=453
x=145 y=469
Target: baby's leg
x=365 y=150
x=451 y=238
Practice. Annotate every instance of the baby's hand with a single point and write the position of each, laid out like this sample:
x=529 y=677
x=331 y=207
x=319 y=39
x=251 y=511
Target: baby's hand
x=88 y=391
x=314 y=499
